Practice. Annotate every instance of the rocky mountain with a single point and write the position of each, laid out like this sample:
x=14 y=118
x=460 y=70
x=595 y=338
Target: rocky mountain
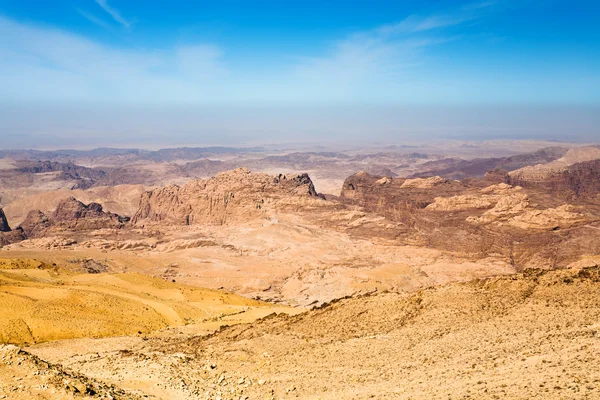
x=70 y=215
x=237 y=195
x=7 y=235
x=35 y=224
x=456 y=168
x=73 y=214
x=579 y=179
x=120 y=199
x=84 y=176
x=533 y=225
x=4 y=227
x=550 y=171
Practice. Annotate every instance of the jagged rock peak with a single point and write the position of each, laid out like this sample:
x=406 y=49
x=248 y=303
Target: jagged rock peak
x=35 y=224
x=4 y=227
x=236 y=195
x=71 y=208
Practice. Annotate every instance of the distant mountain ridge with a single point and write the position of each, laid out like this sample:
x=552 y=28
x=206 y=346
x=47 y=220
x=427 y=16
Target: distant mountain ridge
x=167 y=154
x=456 y=168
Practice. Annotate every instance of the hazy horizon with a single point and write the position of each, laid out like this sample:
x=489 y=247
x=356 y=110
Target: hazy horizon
x=167 y=127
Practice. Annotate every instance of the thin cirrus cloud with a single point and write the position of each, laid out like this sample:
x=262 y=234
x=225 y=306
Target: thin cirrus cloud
x=378 y=65
x=114 y=13
x=95 y=20
x=48 y=63
x=378 y=59
x=418 y=24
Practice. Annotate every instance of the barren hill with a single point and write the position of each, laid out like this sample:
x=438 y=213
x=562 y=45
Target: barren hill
x=456 y=168
x=530 y=335
x=542 y=171
x=236 y=195
x=529 y=226
x=41 y=302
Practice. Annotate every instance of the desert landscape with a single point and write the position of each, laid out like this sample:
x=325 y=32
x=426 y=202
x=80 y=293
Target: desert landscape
x=313 y=200
x=235 y=283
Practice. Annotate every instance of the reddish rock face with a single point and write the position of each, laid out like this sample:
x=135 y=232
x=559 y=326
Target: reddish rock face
x=71 y=209
x=35 y=224
x=237 y=195
x=73 y=214
x=8 y=236
x=4 y=227
x=580 y=180
x=544 y=222
x=70 y=214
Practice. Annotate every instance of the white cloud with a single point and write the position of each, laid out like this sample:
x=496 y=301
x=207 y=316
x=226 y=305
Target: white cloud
x=114 y=13
x=377 y=61
x=48 y=64
x=95 y=20
x=41 y=63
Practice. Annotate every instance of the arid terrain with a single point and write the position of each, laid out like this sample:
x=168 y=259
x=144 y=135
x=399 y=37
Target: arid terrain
x=455 y=270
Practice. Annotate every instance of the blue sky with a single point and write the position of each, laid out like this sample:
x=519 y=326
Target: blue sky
x=299 y=54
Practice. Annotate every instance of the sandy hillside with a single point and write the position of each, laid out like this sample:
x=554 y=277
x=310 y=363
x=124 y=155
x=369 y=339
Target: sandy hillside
x=39 y=302
x=532 y=335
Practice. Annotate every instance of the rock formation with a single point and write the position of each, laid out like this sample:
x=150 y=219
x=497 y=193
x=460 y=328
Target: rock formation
x=7 y=235
x=35 y=224
x=237 y=195
x=579 y=179
x=549 y=171
x=4 y=227
x=456 y=168
x=73 y=215
x=523 y=224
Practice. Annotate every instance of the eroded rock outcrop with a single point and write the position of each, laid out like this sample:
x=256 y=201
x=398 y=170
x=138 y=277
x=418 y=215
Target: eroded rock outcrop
x=71 y=214
x=35 y=224
x=4 y=227
x=552 y=171
x=237 y=195
x=423 y=183
x=7 y=235
x=500 y=199
x=546 y=223
x=549 y=219
x=579 y=179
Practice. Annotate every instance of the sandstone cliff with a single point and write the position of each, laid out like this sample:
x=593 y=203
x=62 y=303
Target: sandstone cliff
x=7 y=235
x=548 y=222
x=4 y=227
x=237 y=195
x=548 y=171
x=73 y=215
x=35 y=224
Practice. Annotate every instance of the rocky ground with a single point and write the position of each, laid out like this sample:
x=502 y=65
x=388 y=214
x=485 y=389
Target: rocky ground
x=25 y=376
x=531 y=335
